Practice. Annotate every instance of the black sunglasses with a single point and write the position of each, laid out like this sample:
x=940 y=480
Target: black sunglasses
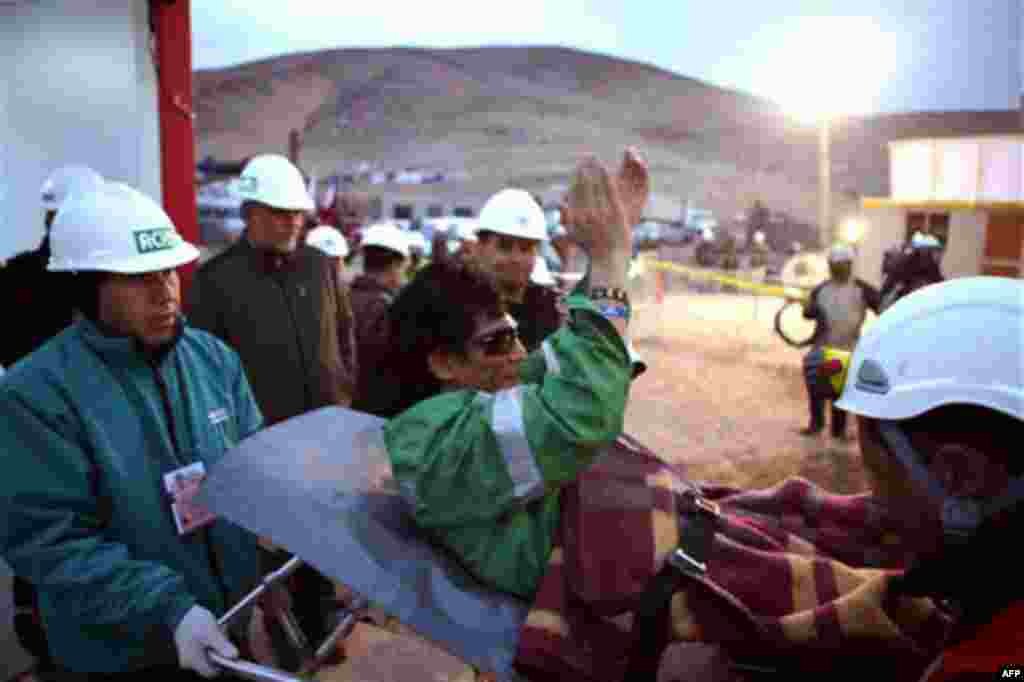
x=499 y=342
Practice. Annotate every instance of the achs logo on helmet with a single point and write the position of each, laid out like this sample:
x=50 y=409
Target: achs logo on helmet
x=159 y=239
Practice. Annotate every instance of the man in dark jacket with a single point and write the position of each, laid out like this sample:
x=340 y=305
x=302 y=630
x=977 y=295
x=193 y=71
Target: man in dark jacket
x=282 y=305
x=25 y=280
x=385 y=250
x=512 y=227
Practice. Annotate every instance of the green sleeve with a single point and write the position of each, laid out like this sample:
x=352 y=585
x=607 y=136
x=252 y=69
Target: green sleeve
x=53 y=536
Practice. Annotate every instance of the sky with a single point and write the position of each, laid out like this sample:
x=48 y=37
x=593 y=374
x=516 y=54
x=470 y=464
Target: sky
x=867 y=55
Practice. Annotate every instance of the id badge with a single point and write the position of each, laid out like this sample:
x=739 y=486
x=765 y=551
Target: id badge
x=182 y=485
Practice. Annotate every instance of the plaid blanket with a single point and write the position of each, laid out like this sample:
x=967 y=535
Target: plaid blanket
x=796 y=575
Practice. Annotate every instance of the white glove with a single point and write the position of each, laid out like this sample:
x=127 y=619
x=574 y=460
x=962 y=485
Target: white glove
x=197 y=632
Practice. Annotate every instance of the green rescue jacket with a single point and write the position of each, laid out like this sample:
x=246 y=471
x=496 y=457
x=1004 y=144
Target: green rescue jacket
x=483 y=471
x=86 y=434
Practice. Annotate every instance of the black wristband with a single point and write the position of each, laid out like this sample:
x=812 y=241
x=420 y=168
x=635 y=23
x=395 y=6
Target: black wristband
x=610 y=294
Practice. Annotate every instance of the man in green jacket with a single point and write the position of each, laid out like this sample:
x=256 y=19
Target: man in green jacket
x=96 y=427
x=483 y=435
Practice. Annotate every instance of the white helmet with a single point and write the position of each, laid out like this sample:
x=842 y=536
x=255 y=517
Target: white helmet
x=759 y=237
x=386 y=236
x=67 y=181
x=417 y=241
x=541 y=274
x=920 y=240
x=465 y=229
x=273 y=180
x=329 y=240
x=955 y=342
x=840 y=253
x=515 y=213
x=707 y=234
x=116 y=229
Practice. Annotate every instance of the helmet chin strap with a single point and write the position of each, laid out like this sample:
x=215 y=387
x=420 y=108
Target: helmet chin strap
x=961 y=516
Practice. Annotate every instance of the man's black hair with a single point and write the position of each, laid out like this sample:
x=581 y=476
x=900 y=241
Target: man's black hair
x=438 y=309
x=84 y=292
x=379 y=259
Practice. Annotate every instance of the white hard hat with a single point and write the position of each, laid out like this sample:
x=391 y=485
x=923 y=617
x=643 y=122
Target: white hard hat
x=329 y=240
x=956 y=342
x=707 y=233
x=273 y=180
x=840 y=253
x=386 y=236
x=67 y=181
x=541 y=274
x=116 y=229
x=920 y=240
x=465 y=229
x=417 y=241
x=759 y=237
x=515 y=213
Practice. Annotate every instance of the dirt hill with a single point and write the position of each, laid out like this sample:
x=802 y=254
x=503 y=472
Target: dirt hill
x=525 y=114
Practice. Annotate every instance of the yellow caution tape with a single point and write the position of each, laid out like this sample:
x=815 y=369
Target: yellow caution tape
x=793 y=292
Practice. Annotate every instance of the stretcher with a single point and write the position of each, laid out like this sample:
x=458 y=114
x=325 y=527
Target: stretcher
x=320 y=486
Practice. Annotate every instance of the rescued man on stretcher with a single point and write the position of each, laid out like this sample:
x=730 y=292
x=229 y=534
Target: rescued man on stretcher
x=516 y=464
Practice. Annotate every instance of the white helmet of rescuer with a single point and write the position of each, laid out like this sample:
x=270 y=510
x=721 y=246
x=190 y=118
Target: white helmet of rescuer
x=329 y=240
x=513 y=212
x=974 y=353
x=273 y=180
x=386 y=236
x=116 y=229
x=66 y=181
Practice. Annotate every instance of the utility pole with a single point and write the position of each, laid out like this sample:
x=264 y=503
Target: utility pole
x=825 y=181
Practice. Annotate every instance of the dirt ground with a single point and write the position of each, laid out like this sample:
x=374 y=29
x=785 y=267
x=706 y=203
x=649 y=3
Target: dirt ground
x=724 y=395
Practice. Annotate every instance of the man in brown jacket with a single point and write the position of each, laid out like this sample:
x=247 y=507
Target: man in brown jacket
x=282 y=305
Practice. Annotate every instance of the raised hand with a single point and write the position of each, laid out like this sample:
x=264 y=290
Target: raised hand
x=594 y=213
x=634 y=185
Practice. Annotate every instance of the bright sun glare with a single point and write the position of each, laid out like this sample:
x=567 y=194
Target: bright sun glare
x=828 y=67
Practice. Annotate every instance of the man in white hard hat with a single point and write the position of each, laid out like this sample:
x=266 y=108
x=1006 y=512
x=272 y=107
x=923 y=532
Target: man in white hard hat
x=839 y=307
x=510 y=230
x=273 y=298
x=110 y=409
x=937 y=385
x=909 y=267
x=386 y=256
x=24 y=278
x=332 y=243
x=281 y=304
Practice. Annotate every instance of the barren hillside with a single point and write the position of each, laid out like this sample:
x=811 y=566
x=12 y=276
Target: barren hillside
x=525 y=114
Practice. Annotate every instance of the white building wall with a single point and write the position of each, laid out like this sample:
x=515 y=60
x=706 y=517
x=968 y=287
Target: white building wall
x=884 y=228
x=78 y=86
x=966 y=245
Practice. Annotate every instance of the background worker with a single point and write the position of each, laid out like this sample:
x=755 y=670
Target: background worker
x=93 y=424
x=940 y=427
x=385 y=250
x=281 y=304
x=332 y=243
x=839 y=307
x=510 y=231
x=26 y=282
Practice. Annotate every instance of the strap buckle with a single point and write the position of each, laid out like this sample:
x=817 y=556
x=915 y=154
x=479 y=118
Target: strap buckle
x=697 y=533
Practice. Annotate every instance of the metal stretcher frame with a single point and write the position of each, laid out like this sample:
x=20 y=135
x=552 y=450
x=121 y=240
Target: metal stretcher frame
x=320 y=486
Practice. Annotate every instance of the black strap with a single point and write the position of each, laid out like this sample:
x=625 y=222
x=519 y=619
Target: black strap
x=650 y=635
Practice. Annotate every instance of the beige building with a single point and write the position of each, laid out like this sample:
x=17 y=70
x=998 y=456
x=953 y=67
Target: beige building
x=968 y=192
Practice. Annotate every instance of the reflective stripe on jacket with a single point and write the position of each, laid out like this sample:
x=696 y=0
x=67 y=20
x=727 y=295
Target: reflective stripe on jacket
x=483 y=471
x=85 y=439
